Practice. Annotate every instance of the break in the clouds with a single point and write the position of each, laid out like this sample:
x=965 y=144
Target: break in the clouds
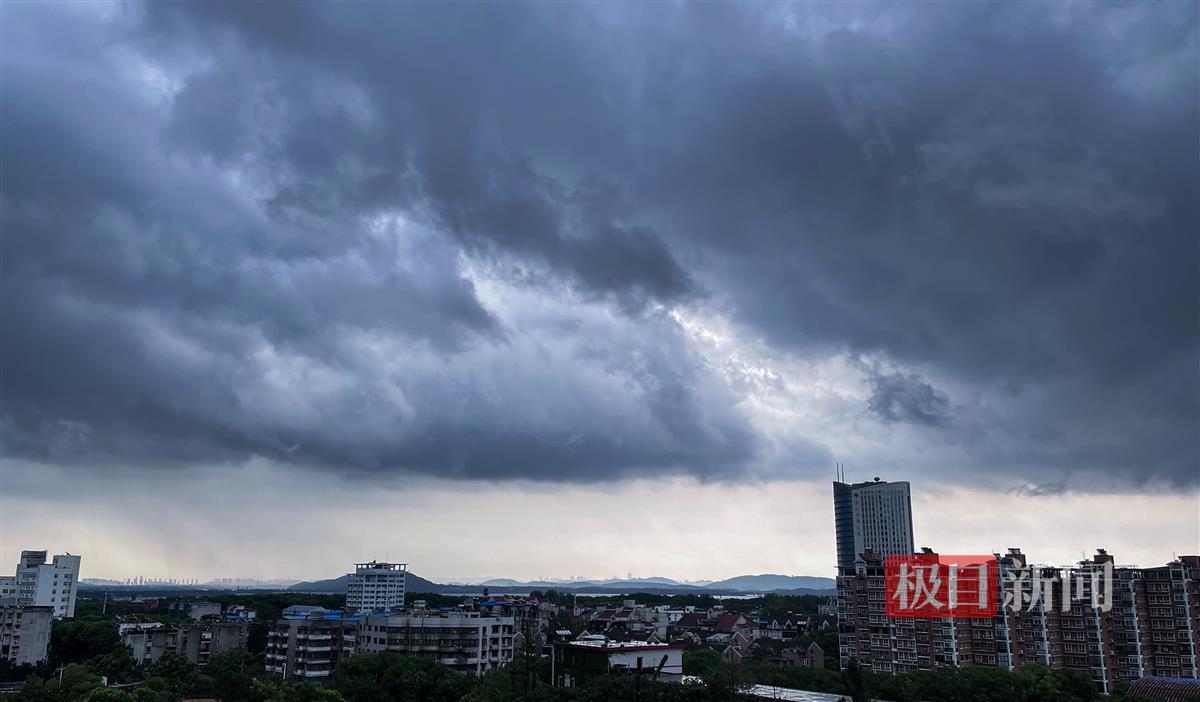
x=588 y=242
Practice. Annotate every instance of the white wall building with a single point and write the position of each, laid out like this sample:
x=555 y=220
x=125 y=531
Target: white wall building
x=591 y=653
x=875 y=516
x=376 y=587
x=38 y=583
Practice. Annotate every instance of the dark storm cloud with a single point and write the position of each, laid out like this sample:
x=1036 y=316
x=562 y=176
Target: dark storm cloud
x=996 y=200
x=896 y=397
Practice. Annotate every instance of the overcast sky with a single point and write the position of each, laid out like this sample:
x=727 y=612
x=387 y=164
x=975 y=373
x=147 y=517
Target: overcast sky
x=561 y=289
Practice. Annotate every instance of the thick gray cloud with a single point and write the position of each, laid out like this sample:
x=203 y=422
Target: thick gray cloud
x=231 y=230
x=896 y=397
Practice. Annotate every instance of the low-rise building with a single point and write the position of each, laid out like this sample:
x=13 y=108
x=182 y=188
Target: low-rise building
x=464 y=641
x=308 y=644
x=24 y=632
x=594 y=655
x=240 y=613
x=311 y=645
x=195 y=611
x=196 y=642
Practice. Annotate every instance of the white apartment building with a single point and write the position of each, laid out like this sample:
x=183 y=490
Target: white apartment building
x=464 y=641
x=874 y=516
x=376 y=587
x=24 y=633
x=41 y=584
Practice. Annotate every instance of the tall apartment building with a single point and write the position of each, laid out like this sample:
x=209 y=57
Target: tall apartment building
x=873 y=516
x=1151 y=629
x=465 y=641
x=376 y=587
x=24 y=632
x=41 y=584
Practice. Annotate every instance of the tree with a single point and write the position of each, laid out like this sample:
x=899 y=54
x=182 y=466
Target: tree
x=855 y=682
x=387 y=677
x=275 y=691
x=118 y=666
x=522 y=680
x=108 y=694
x=74 y=641
x=702 y=662
x=232 y=674
x=77 y=681
x=176 y=673
x=151 y=693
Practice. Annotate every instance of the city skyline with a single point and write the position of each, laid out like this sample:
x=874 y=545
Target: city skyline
x=802 y=545
x=537 y=289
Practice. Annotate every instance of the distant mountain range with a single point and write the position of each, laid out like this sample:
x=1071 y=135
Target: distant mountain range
x=742 y=584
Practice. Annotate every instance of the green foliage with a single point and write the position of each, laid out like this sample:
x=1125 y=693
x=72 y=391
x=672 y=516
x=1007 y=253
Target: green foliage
x=387 y=677
x=117 y=665
x=107 y=694
x=10 y=672
x=77 y=681
x=76 y=641
x=176 y=673
x=232 y=674
x=275 y=691
x=855 y=682
x=148 y=694
x=526 y=679
x=703 y=662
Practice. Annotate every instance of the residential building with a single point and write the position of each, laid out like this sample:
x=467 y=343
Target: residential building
x=591 y=655
x=376 y=587
x=197 y=642
x=195 y=611
x=874 y=516
x=239 y=612
x=41 y=584
x=303 y=610
x=630 y=621
x=1151 y=628
x=309 y=645
x=24 y=632
x=463 y=640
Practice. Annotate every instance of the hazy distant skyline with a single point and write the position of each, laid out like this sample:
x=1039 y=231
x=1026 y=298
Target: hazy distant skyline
x=543 y=289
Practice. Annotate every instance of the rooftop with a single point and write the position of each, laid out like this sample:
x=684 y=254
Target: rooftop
x=377 y=565
x=604 y=644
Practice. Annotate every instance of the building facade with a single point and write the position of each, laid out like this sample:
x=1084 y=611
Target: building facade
x=1150 y=629
x=376 y=587
x=24 y=633
x=309 y=645
x=595 y=655
x=873 y=516
x=38 y=583
x=464 y=641
x=196 y=642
